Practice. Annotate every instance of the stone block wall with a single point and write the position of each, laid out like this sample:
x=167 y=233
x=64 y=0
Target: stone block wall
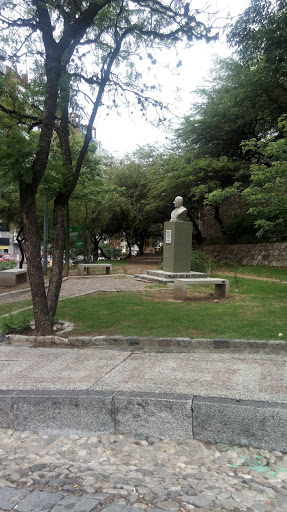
x=274 y=255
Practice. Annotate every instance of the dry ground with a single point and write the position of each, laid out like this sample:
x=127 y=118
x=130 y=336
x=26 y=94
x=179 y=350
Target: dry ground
x=132 y=266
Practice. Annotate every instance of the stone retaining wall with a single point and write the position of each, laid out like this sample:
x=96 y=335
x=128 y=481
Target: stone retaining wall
x=274 y=255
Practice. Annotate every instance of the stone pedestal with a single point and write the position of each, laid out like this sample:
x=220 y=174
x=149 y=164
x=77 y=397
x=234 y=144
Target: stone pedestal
x=177 y=246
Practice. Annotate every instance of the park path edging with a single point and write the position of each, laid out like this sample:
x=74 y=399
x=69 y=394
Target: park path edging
x=139 y=343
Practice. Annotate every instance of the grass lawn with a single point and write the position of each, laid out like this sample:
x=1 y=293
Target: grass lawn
x=253 y=270
x=255 y=309
x=9 y=307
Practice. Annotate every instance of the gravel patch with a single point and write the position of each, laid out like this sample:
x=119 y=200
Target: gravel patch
x=75 y=286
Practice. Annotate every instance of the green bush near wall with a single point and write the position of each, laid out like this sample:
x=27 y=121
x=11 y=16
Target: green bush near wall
x=6 y=265
x=201 y=262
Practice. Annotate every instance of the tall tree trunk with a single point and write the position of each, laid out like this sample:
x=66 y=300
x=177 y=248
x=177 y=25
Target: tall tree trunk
x=67 y=243
x=20 y=241
x=140 y=244
x=55 y=281
x=43 y=322
x=45 y=236
x=95 y=244
x=217 y=216
x=129 y=245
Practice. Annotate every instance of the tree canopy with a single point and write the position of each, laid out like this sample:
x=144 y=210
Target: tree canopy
x=242 y=102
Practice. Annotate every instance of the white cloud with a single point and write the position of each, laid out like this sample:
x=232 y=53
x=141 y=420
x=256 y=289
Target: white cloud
x=120 y=134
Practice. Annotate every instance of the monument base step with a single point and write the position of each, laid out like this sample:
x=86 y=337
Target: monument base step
x=176 y=275
x=162 y=277
x=153 y=279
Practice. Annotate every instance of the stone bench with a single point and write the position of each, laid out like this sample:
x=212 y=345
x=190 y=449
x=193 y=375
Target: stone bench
x=85 y=268
x=221 y=286
x=13 y=276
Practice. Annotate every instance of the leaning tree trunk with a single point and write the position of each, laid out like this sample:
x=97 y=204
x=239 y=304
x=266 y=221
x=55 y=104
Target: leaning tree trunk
x=55 y=281
x=43 y=322
x=20 y=241
x=129 y=245
x=67 y=243
x=217 y=216
x=140 y=245
x=95 y=240
x=104 y=254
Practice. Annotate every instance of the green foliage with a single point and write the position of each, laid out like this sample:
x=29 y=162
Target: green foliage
x=5 y=265
x=243 y=101
x=200 y=262
x=240 y=103
x=15 y=322
x=111 y=252
x=241 y=230
x=217 y=196
x=267 y=193
x=259 y=35
x=18 y=163
x=136 y=219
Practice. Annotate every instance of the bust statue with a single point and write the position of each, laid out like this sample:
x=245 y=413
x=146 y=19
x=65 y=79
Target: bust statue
x=179 y=212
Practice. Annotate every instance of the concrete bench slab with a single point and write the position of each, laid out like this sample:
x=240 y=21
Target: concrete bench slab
x=13 y=276
x=221 y=286
x=84 y=268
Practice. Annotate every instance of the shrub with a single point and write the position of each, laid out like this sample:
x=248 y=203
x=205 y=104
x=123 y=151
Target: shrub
x=111 y=252
x=201 y=262
x=5 y=265
x=14 y=322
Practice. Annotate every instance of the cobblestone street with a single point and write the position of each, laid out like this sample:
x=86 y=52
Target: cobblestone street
x=117 y=473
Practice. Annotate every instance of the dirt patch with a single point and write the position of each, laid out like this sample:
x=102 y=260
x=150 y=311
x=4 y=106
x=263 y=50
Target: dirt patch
x=166 y=295
x=132 y=266
x=17 y=287
x=31 y=332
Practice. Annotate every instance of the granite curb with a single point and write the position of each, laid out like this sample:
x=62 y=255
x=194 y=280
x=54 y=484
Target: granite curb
x=162 y=415
x=136 y=343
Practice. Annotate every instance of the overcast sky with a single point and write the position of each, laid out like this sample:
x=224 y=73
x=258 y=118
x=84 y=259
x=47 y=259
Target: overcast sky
x=120 y=134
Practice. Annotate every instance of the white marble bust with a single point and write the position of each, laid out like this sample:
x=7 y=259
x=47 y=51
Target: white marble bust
x=179 y=213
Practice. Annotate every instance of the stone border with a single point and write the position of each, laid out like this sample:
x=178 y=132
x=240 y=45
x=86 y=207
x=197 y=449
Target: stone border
x=136 y=343
x=162 y=415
